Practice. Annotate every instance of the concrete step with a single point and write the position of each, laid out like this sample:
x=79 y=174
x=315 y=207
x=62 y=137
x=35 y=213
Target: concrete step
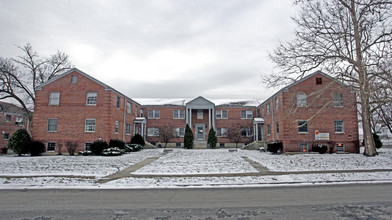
x=200 y=145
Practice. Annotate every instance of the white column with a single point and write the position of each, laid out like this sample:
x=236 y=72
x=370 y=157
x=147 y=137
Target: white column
x=257 y=132
x=187 y=116
x=190 y=118
x=209 y=119
x=213 y=117
x=143 y=130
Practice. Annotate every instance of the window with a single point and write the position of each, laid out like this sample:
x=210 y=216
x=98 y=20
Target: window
x=262 y=111
x=154 y=114
x=87 y=146
x=301 y=100
x=74 y=79
x=268 y=129
x=276 y=103
x=6 y=136
x=339 y=126
x=303 y=126
x=319 y=81
x=199 y=114
x=141 y=113
x=19 y=121
x=221 y=114
x=277 y=127
x=303 y=147
x=337 y=100
x=246 y=114
x=153 y=132
x=91 y=98
x=136 y=111
x=268 y=109
x=222 y=145
x=90 y=125
x=8 y=118
x=339 y=148
x=128 y=129
x=221 y=132
x=179 y=114
x=179 y=132
x=258 y=113
x=51 y=146
x=52 y=125
x=116 y=126
x=178 y=144
x=54 y=98
x=247 y=132
x=129 y=108
x=118 y=102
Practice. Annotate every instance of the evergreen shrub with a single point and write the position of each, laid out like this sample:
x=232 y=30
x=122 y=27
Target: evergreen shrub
x=275 y=147
x=138 y=139
x=36 y=148
x=98 y=146
x=20 y=142
x=117 y=143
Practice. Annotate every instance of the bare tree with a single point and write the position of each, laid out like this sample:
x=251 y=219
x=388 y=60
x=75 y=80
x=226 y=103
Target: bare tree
x=234 y=133
x=166 y=133
x=348 y=38
x=20 y=76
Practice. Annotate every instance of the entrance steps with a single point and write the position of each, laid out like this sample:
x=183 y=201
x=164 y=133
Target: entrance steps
x=200 y=145
x=256 y=145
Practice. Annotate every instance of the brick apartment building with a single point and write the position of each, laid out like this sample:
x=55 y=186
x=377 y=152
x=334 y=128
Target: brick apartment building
x=12 y=118
x=77 y=107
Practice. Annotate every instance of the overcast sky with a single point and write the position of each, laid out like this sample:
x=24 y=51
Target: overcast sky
x=160 y=49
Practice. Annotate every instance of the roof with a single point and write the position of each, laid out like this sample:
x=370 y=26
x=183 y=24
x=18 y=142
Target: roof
x=87 y=76
x=11 y=108
x=184 y=101
x=299 y=81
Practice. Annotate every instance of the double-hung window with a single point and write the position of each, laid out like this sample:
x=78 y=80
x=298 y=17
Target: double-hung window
x=91 y=98
x=268 y=129
x=51 y=147
x=118 y=102
x=153 y=132
x=54 y=98
x=301 y=100
x=245 y=114
x=129 y=108
x=337 y=100
x=154 y=114
x=221 y=114
x=89 y=125
x=339 y=126
x=268 y=109
x=52 y=125
x=276 y=103
x=116 y=126
x=247 y=132
x=179 y=132
x=303 y=126
x=128 y=129
x=221 y=132
x=179 y=114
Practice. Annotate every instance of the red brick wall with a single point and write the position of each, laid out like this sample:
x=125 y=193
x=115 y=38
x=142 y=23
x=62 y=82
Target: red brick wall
x=9 y=127
x=320 y=114
x=72 y=112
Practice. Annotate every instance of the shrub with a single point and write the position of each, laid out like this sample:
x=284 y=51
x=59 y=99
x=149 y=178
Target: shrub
x=188 y=138
x=98 y=146
x=112 y=151
x=71 y=147
x=275 y=147
x=36 y=148
x=138 y=139
x=20 y=142
x=377 y=141
x=117 y=143
x=212 y=140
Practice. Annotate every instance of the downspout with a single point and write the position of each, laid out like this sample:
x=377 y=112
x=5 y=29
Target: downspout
x=125 y=111
x=273 y=122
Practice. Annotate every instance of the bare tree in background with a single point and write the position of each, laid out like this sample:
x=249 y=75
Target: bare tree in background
x=20 y=76
x=234 y=133
x=350 y=39
x=166 y=132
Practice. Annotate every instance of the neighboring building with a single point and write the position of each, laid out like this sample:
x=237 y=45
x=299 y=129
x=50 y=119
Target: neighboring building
x=314 y=110
x=12 y=118
x=77 y=107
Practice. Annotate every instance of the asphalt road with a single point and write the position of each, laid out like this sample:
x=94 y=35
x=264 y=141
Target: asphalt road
x=368 y=201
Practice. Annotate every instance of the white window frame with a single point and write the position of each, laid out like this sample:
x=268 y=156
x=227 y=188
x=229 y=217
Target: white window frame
x=222 y=132
x=90 y=128
x=153 y=132
x=179 y=132
x=155 y=114
x=74 y=79
x=200 y=114
x=128 y=129
x=276 y=103
x=277 y=128
x=48 y=125
x=87 y=146
x=339 y=126
x=54 y=98
x=19 y=121
x=91 y=98
x=268 y=129
x=54 y=146
x=178 y=114
x=8 y=118
x=221 y=114
x=248 y=132
x=117 y=127
x=129 y=108
x=302 y=100
x=248 y=114
x=337 y=99
x=6 y=136
x=268 y=109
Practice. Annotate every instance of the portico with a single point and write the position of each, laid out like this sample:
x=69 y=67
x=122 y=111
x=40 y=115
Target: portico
x=196 y=117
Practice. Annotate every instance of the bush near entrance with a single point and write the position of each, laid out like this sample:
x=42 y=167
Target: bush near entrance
x=275 y=147
x=188 y=138
x=138 y=139
x=117 y=143
x=20 y=142
x=98 y=146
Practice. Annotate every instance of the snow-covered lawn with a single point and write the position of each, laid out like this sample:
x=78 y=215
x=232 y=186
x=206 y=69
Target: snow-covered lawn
x=70 y=165
x=311 y=162
x=181 y=161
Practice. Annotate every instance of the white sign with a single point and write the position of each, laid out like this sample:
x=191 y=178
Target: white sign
x=321 y=136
